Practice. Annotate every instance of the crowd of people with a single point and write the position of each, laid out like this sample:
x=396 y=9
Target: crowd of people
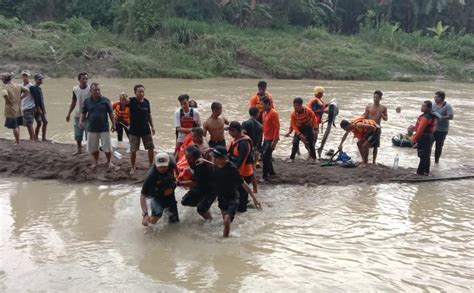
x=210 y=169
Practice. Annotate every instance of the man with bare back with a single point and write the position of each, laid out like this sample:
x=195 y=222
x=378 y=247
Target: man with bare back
x=215 y=126
x=376 y=112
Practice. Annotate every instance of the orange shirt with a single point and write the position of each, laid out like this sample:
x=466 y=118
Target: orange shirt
x=255 y=102
x=121 y=115
x=271 y=125
x=360 y=131
x=317 y=104
x=425 y=124
x=298 y=120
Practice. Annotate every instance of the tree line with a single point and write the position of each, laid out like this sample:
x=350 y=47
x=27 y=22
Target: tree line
x=144 y=17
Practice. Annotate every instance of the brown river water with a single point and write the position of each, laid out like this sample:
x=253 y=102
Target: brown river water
x=387 y=237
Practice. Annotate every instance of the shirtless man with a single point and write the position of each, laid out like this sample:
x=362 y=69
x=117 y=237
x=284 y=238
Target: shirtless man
x=376 y=112
x=215 y=126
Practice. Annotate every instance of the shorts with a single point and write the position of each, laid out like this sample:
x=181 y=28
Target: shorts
x=78 y=131
x=40 y=118
x=228 y=208
x=214 y=143
x=28 y=116
x=93 y=139
x=14 y=122
x=200 y=199
x=135 y=142
x=374 y=138
x=159 y=206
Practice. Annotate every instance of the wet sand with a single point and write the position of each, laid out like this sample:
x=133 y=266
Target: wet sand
x=46 y=160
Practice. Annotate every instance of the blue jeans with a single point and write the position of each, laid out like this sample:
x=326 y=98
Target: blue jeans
x=158 y=206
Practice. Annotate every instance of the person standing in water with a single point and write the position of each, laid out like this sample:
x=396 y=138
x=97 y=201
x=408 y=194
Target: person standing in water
x=423 y=138
x=445 y=112
x=215 y=126
x=303 y=123
x=159 y=187
x=96 y=108
x=186 y=118
x=13 y=94
x=28 y=106
x=271 y=136
x=366 y=131
x=253 y=128
x=319 y=107
x=376 y=112
x=40 y=115
x=141 y=126
x=256 y=100
x=122 y=116
x=79 y=94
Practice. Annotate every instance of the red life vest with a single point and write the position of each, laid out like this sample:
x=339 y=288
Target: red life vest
x=187 y=121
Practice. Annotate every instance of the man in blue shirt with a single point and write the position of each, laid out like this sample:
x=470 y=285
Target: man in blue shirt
x=96 y=108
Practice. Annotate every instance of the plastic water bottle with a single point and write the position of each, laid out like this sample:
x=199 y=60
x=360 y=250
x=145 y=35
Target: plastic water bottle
x=395 y=161
x=117 y=155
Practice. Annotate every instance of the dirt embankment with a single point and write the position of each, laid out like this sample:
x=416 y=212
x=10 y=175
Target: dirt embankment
x=46 y=160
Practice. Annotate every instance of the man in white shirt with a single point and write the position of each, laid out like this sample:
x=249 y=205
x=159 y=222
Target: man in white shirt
x=79 y=94
x=186 y=118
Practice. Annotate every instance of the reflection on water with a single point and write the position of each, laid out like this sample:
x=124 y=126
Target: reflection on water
x=387 y=237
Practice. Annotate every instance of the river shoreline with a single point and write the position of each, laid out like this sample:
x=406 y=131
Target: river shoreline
x=54 y=161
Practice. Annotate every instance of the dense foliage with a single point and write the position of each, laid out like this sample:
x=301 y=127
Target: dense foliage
x=145 y=17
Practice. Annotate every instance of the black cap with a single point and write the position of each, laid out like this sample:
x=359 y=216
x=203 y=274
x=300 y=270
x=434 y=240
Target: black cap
x=39 y=76
x=219 y=152
x=235 y=125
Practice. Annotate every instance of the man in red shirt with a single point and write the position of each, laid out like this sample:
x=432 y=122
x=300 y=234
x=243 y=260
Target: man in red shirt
x=423 y=138
x=271 y=136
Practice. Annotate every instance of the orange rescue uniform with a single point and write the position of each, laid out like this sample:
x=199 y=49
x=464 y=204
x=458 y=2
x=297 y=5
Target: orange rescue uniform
x=360 y=131
x=298 y=120
x=271 y=125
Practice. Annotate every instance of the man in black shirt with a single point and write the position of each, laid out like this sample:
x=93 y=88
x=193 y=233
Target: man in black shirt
x=141 y=126
x=40 y=114
x=201 y=193
x=228 y=181
x=159 y=186
x=253 y=128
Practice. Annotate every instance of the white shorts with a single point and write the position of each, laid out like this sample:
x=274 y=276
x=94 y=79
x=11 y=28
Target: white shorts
x=93 y=139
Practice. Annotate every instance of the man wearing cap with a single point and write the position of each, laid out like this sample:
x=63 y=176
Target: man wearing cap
x=318 y=105
x=79 y=94
x=28 y=105
x=40 y=115
x=159 y=187
x=13 y=94
x=96 y=109
x=240 y=154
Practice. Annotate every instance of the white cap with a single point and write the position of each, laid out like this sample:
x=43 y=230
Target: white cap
x=25 y=72
x=162 y=160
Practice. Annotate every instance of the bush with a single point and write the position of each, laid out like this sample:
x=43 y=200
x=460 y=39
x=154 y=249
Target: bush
x=51 y=25
x=77 y=25
x=9 y=23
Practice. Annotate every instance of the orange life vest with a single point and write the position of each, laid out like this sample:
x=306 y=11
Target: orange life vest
x=317 y=104
x=359 y=131
x=246 y=169
x=304 y=118
x=122 y=115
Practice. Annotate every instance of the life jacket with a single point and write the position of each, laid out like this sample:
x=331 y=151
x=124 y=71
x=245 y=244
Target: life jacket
x=361 y=132
x=316 y=106
x=187 y=121
x=303 y=119
x=122 y=115
x=430 y=128
x=246 y=169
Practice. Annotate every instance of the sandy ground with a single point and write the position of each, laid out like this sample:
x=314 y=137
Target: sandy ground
x=46 y=160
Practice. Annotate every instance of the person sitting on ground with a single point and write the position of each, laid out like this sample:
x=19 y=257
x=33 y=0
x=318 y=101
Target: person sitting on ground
x=141 y=126
x=303 y=123
x=79 y=94
x=240 y=154
x=96 y=108
x=40 y=114
x=319 y=107
x=28 y=106
x=201 y=192
x=13 y=94
x=159 y=186
x=366 y=131
x=423 y=138
x=228 y=182
x=215 y=126
x=122 y=116
x=256 y=100
x=271 y=136
x=186 y=118
x=376 y=112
